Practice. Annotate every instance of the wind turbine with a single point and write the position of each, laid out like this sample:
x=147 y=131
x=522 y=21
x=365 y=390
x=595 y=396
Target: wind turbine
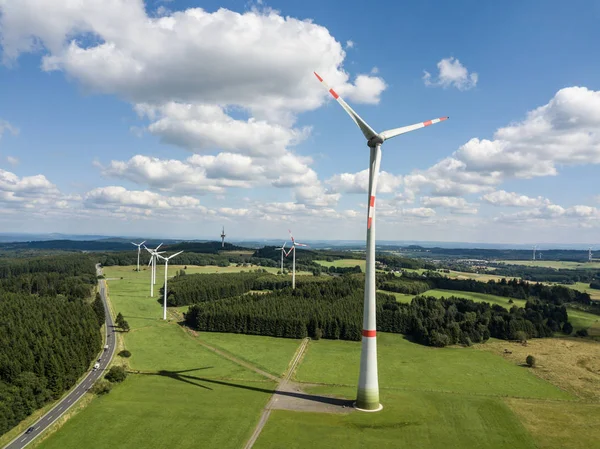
x=139 y=245
x=154 y=253
x=590 y=254
x=166 y=259
x=223 y=237
x=282 y=253
x=534 y=248
x=293 y=249
x=368 y=385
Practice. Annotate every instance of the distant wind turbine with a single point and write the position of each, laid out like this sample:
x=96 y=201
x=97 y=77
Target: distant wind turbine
x=139 y=245
x=223 y=237
x=293 y=250
x=368 y=384
x=154 y=253
x=590 y=254
x=534 y=248
x=166 y=259
x=282 y=254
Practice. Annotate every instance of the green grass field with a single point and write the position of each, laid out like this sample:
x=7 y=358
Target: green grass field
x=553 y=264
x=346 y=263
x=183 y=391
x=410 y=366
x=584 y=287
x=411 y=419
x=477 y=297
x=578 y=318
x=188 y=396
x=251 y=348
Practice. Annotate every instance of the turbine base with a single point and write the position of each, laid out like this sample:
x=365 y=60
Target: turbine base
x=378 y=409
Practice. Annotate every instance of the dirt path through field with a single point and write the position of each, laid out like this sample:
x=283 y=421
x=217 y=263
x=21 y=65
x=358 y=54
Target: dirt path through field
x=289 y=396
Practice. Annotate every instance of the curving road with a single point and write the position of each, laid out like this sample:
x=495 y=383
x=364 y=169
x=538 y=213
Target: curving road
x=78 y=391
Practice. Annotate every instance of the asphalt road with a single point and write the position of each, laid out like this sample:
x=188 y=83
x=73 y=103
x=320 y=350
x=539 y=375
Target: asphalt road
x=80 y=389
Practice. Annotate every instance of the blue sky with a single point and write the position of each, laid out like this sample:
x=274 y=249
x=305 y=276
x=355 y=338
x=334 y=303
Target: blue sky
x=125 y=118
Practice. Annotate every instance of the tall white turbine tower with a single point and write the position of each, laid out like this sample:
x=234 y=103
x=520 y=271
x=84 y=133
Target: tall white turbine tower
x=282 y=254
x=154 y=253
x=139 y=245
x=534 y=248
x=166 y=259
x=293 y=250
x=590 y=254
x=368 y=385
x=223 y=237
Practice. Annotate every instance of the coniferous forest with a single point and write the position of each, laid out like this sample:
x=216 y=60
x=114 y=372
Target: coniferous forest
x=334 y=310
x=49 y=331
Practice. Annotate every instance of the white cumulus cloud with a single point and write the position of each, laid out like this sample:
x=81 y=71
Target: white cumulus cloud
x=504 y=198
x=359 y=182
x=452 y=74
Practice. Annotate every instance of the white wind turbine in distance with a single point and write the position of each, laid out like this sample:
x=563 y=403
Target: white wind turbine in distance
x=154 y=253
x=282 y=254
x=368 y=384
x=166 y=259
x=139 y=246
x=293 y=250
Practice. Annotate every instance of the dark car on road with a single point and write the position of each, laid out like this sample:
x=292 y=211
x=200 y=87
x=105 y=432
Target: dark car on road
x=31 y=429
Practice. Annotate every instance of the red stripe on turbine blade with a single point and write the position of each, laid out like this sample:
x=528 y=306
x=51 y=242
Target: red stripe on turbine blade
x=443 y=118
x=369 y=220
x=372 y=200
x=427 y=123
x=369 y=333
x=332 y=92
x=318 y=77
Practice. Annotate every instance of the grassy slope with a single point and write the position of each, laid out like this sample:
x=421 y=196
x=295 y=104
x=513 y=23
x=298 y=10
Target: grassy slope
x=409 y=419
x=253 y=348
x=554 y=264
x=559 y=425
x=414 y=367
x=477 y=297
x=343 y=263
x=166 y=409
x=579 y=319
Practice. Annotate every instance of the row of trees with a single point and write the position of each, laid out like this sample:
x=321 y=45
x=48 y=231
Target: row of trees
x=546 y=274
x=197 y=288
x=334 y=310
x=514 y=288
x=49 y=331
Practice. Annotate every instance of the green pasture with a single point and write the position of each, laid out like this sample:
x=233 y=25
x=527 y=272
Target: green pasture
x=477 y=297
x=409 y=366
x=344 y=263
x=411 y=419
x=268 y=353
x=553 y=264
x=177 y=391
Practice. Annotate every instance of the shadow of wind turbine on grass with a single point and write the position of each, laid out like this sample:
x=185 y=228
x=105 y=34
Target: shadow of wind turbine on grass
x=176 y=375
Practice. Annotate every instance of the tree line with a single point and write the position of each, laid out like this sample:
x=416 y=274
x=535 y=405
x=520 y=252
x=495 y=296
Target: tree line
x=49 y=331
x=197 y=288
x=334 y=310
x=514 y=288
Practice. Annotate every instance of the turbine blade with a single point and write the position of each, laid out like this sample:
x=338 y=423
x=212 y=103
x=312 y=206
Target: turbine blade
x=364 y=126
x=300 y=244
x=155 y=249
x=176 y=254
x=405 y=129
x=134 y=244
x=143 y=242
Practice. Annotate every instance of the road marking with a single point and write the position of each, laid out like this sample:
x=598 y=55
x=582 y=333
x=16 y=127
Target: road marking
x=23 y=440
